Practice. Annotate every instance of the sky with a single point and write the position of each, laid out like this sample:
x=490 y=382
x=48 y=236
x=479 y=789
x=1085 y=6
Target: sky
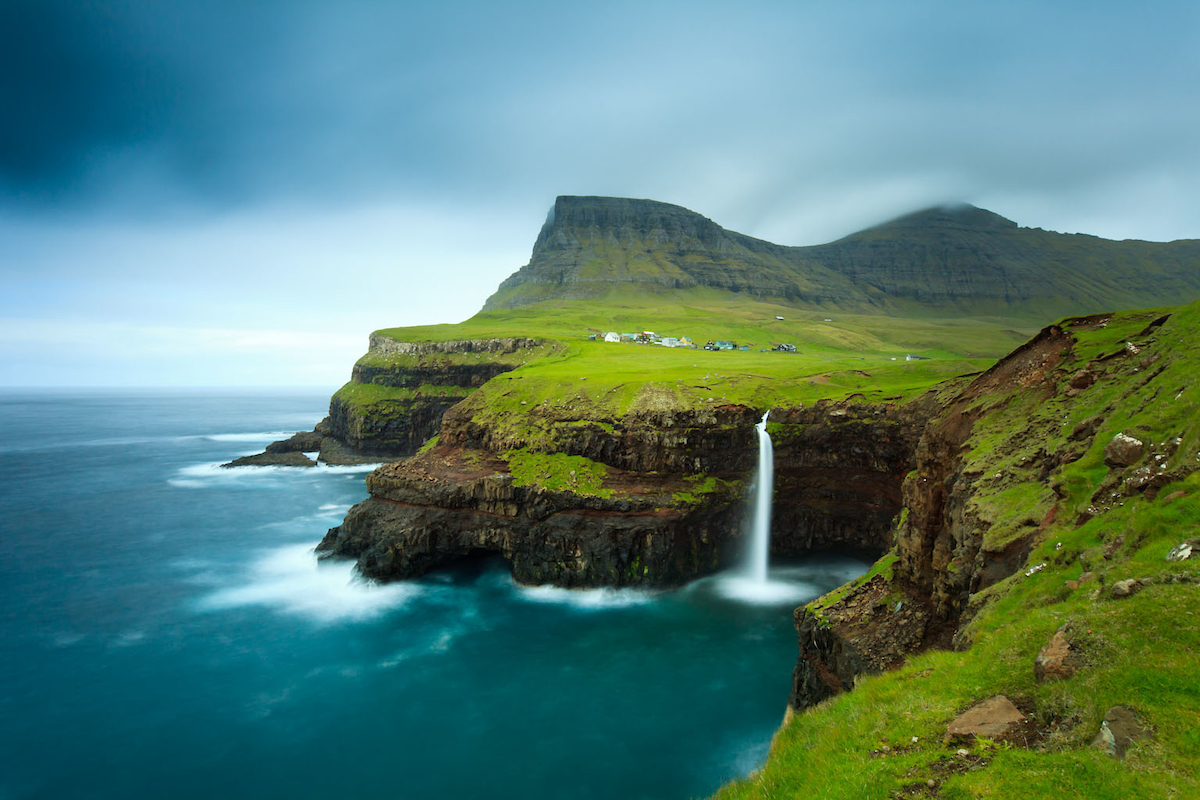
x=237 y=192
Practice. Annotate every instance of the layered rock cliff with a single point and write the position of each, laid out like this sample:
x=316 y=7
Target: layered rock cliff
x=651 y=498
x=396 y=398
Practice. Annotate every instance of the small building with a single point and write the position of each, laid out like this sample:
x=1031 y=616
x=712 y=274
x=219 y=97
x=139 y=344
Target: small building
x=778 y=317
x=784 y=348
x=629 y=337
x=745 y=348
x=669 y=341
x=612 y=336
x=723 y=345
x=686 y=341
x=911 y=357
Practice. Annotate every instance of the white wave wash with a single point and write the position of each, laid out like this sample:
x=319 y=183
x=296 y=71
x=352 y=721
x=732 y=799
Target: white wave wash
x=199 y=476
x=291 y=580
x=262 y=436
x=586 y=599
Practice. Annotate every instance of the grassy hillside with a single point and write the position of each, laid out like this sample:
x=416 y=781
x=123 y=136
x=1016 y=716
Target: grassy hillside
x=941 y=262
x=886 y=737
x=837 y=355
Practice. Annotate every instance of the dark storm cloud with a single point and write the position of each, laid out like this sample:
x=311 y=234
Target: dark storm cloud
x=752 y=114
x=219 y=100
x=75 y=79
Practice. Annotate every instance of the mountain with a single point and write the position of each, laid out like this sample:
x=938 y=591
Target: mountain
x=943 y=261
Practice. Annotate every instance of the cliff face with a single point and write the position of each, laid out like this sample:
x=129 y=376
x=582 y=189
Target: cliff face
x=449 y=504
x=839 y=468
x=396 y=398
x=399 y=391
x=669 y=505
x=1002 y=464
x=941 y=261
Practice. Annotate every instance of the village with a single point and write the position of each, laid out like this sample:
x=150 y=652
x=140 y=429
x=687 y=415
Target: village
x=652 y=338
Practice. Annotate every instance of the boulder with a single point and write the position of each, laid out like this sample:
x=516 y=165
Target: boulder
x=1123 y=450
x=1183 y=551
x=995 y=718
x=1082 y=379
x=1057 y=660
x=1119 y=729
x=1126 y=588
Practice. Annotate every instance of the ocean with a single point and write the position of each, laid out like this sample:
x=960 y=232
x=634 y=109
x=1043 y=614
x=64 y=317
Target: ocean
x=168 y=632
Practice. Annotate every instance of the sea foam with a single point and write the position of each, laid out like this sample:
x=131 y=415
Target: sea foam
x=291 y=580
x=588 y=599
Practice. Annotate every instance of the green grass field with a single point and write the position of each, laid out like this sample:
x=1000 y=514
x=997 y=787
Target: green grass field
x=839 y=355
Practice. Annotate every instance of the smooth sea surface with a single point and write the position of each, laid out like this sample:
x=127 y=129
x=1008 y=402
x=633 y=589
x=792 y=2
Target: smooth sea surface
x=166 y=631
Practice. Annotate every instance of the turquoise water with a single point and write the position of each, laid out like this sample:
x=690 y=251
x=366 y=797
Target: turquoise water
x=167 y=632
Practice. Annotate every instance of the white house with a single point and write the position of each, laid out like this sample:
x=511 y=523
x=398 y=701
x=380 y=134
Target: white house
x=612 y=336
x=670 y=341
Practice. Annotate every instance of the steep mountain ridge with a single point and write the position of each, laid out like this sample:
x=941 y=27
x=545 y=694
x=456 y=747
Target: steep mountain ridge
x=942 y=261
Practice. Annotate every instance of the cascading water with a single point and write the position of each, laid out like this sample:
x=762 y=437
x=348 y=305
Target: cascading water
x=760 y=533
x=751 y=583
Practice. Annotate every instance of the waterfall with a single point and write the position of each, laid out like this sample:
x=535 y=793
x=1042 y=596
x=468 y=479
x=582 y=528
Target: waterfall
x=760 y=533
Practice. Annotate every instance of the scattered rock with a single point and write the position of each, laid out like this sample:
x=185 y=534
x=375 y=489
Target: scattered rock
x=1126 y=588
x=1072 y=585
x=1082 y=379
x=1084 y=430
x=1183 y=551
x=1056 y=661
x=272 y=460
x=1123 y=450
x=1119 y=729
x=995 y=718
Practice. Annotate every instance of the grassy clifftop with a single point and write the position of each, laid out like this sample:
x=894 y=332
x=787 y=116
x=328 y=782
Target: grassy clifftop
x=1099 y=528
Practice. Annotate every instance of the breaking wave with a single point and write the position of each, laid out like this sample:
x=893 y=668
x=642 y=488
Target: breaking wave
x=291 y=580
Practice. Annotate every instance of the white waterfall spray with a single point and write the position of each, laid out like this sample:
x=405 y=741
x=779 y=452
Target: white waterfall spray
x=751 y=583
x=760 y=533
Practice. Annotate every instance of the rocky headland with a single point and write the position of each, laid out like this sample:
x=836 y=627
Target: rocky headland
x=395 y=400
x=1015 y=514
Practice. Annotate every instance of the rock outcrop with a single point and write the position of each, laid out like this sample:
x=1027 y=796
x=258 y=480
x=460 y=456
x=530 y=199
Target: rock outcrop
x=668 y=509
x=396 y=398
x=448 y=504
x=995 y=719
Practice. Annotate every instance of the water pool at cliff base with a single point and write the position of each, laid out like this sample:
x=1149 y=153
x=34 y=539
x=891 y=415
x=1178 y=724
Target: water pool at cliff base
x=167 y=632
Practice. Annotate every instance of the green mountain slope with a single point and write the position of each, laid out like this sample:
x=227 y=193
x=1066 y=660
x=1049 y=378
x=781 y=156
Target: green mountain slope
x=943 y=262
